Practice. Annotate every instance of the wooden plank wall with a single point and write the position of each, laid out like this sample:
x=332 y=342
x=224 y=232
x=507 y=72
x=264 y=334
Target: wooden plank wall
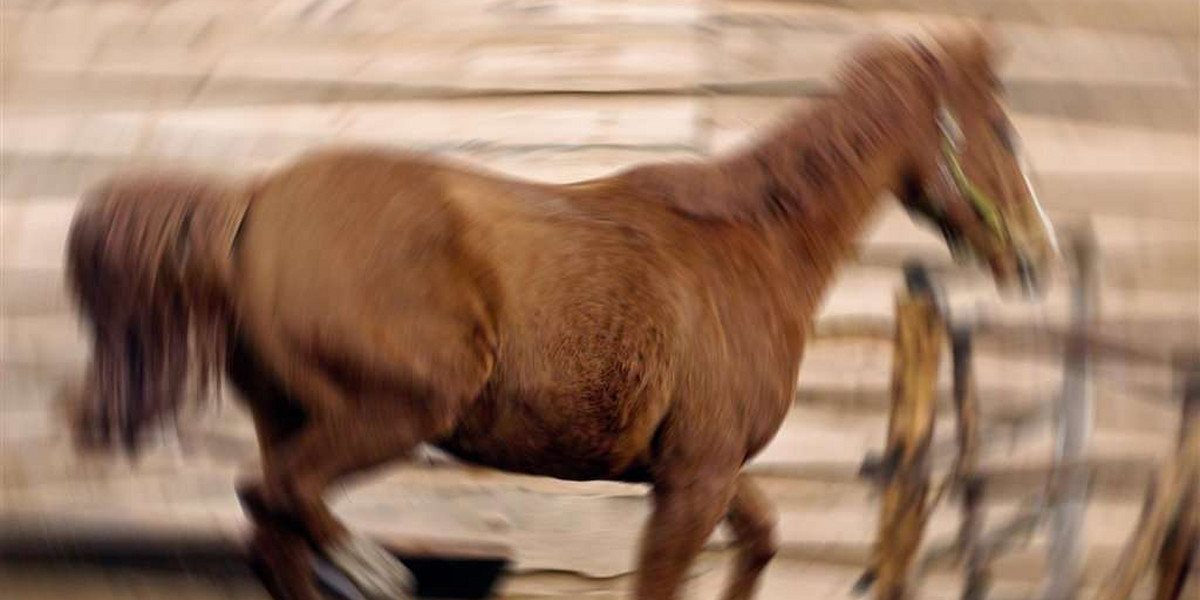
x=1104 y=93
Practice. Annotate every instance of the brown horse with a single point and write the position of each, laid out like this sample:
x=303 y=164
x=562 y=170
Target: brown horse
x=646 y=326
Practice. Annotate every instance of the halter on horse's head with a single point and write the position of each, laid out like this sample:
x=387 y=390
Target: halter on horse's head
x=973 y=185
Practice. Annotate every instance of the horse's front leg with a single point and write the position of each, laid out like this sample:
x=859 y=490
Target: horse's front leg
x=752 y=519
x=684 y=517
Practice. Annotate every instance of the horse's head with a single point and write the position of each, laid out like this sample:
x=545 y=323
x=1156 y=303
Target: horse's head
x=969 y=178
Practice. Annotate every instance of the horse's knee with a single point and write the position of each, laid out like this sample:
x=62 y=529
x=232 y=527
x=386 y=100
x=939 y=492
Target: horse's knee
x=755 y=525
x=763 y=544
x=758 y=540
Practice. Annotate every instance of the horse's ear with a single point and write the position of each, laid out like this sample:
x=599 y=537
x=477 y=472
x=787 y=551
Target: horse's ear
x=929 y=54
x=993 y=45
x=972 y=45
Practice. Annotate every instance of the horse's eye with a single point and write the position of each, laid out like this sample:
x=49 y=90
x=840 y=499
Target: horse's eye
x=1004 y=133
x=995 y=83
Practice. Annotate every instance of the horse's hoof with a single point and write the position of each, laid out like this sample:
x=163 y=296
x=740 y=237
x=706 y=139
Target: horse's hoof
x=375 y=572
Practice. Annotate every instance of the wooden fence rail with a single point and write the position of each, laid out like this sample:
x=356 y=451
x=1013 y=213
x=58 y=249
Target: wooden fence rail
x=1166 y=539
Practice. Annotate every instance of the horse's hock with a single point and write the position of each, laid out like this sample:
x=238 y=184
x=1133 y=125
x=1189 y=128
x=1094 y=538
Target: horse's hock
x=1103 y=93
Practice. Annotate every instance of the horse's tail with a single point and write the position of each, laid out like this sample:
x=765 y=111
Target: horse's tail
x=149 y=266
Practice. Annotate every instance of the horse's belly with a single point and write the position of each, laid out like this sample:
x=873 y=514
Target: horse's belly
x=577 y=442
x=542 y=461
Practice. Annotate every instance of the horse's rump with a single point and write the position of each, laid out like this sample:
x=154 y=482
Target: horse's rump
x=354 y=266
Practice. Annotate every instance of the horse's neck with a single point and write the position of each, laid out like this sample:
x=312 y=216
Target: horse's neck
x=821 y=175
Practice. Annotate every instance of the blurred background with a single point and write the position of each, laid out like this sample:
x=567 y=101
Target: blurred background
x=1104 y=92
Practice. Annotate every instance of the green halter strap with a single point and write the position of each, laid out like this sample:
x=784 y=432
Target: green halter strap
x=980 y=201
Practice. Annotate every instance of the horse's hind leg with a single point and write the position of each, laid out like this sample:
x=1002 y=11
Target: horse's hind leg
x=280 y=553
x=329 y=450
x=283 y=562
x=348 y=432
x=288 y=530
x=752 y=520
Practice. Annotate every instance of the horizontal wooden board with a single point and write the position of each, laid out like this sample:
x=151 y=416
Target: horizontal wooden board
x=1065 y=146
x=361 y=16
x=50 y=337
x=845 y=380
x=1161 y=17
x=873 y=296
x=1075 y=158
x=34 y=284
x=34 y=228
x=1054 y=145
x=33 y=277
x=564 y=50
x=1129 y=195
x=239 y=135
x=1172 y=268
x=137 y=59
x=594 y=535
x=35 y=234
x=1163 y=107
x=36 y=177
x=768 y=49
x=839 y=417
x=1115 y=234
x=29 y=292
x=787 y=578
x=43 y=342
x=1165 y=17
x=33 y=90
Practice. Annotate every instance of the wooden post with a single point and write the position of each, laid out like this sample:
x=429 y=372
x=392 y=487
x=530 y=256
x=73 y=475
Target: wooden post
x=1183 y=541
x=1074 y=416
x=977 y=577
x=1167 y=529
x=919 y=334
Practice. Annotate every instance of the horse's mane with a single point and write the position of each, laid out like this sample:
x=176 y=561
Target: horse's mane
x=816 y=154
